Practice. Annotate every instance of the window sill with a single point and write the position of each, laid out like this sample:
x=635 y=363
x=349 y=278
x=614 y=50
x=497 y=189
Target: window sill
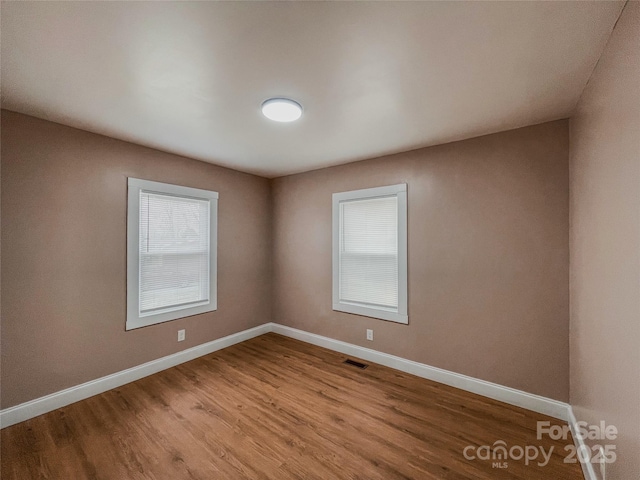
x=380 y=314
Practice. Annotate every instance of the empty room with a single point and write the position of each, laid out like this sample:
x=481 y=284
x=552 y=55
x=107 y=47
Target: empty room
x=369 y=240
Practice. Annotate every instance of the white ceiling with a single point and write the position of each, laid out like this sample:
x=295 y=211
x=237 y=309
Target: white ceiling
x=373 y=77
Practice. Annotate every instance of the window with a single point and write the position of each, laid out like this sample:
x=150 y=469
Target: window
x=370 y=252
x=171 y=252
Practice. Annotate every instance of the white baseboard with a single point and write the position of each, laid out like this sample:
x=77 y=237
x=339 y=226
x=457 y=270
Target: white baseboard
x=48 y=403
x=587 y=467
x=39 y=406
x=537 y=403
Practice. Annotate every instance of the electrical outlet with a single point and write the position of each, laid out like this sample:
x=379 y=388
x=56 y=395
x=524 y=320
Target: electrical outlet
x=181 y=335
x=369 y=334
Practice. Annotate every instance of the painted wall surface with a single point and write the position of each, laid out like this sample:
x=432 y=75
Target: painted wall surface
x=64 y=194
x=488 y=256
x=605 y=246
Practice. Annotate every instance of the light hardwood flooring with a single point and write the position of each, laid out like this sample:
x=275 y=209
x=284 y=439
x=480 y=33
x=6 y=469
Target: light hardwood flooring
x=277 y=408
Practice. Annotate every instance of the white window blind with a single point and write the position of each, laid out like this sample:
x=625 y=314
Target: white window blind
x=171 y=252
x=370 y=252
x=174 y=252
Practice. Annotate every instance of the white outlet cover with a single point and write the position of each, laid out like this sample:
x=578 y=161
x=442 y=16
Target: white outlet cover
x=181 y=335
x=369 y=334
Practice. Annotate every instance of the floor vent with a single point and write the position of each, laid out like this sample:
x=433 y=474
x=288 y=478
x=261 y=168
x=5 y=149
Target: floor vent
x=348 y=361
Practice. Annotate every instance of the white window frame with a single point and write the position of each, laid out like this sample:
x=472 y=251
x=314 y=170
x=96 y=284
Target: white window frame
x=401 y=315
x=134 y=319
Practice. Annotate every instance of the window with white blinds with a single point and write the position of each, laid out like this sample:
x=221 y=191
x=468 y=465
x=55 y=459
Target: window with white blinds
x=171 y=254
x=370 y=252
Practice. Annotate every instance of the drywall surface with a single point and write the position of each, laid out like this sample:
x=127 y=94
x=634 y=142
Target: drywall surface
x=64 y=207
x=488 y=256
x=605 y=246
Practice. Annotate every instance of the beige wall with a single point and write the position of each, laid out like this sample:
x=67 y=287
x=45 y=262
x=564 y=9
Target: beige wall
x=605 y=245
x=488 y=256
x=64 y=195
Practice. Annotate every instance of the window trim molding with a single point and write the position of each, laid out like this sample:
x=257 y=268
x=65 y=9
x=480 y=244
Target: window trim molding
x=135 y=185
x=401 y=316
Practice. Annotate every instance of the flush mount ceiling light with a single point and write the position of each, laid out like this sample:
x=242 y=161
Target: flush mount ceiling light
x=281 y=110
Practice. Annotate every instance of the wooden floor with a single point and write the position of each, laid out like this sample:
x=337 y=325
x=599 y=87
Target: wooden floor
x=276 y=408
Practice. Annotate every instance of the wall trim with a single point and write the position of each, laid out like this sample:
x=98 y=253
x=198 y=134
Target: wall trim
x=530 y=401
x=588 y=469
x=25 y=411
x=553 y=408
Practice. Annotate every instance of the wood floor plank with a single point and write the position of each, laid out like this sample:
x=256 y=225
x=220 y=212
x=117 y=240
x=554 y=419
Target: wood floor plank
x=277 y=408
